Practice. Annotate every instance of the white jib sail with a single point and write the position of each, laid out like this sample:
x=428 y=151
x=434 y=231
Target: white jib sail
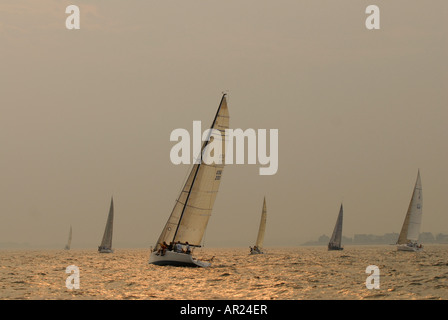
x=190 y=215
x=410 y=230
x=262 y=229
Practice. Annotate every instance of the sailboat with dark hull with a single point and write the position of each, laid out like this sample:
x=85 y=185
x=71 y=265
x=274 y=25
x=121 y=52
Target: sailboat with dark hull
x=106 y=242
x=336 y=238
x=410 y=231
x=258 y=247
x=69 y=242
x=190 y=215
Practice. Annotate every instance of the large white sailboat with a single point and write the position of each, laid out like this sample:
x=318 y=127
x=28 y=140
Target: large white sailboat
x=189 y=218
x=336 y=238
x=258 y=247
x=410 y=231
x=69 y=242
x=106 y=243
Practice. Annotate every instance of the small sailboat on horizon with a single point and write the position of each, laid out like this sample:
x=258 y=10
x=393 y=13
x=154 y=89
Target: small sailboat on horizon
x=106 y=243
x=410 y=231
x=336 y=238
x=69 y=242
x=258 y=247
x=189 y=217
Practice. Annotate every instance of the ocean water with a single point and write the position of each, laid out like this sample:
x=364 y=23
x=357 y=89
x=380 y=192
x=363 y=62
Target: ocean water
x=293 y=273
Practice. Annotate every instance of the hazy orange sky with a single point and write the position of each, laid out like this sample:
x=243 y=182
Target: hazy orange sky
x=87 y=114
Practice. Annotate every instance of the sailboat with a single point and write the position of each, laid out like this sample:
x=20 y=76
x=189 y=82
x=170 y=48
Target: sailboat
x=258 y=248
x=106 y=243
x=336 y=237
x=69 y=242
x=410 y=231
x=189 y=217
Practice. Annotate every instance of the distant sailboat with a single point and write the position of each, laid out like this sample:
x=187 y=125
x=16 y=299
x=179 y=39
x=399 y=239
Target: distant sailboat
x=69 y=242
x=106 y=243
x=258 y=248
x=336 y=238
x=189 y=218
x=407 y=240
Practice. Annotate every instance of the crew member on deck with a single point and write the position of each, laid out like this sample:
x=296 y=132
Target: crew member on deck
x=178 y=247
x=162 y=249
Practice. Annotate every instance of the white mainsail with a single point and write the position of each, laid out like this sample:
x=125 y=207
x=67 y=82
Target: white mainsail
x=106 y=243
x=192 y=210
x=336 y=237
x=410 y=230
x=262 y=229
x=69 y=243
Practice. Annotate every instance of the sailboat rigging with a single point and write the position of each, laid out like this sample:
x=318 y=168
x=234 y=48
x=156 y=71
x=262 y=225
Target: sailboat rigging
x=410 y=231
x=336 y=238
x=189 y=217
x=106 y=243
x=258 y=247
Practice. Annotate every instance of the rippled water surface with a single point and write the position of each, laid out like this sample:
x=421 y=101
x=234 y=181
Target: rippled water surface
x=281 y=274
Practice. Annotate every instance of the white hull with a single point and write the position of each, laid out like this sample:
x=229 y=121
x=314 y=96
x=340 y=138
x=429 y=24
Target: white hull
x=404 y=247
x=171 y=258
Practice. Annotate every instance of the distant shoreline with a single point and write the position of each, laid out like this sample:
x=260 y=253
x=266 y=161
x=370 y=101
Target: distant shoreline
x=385 y=239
